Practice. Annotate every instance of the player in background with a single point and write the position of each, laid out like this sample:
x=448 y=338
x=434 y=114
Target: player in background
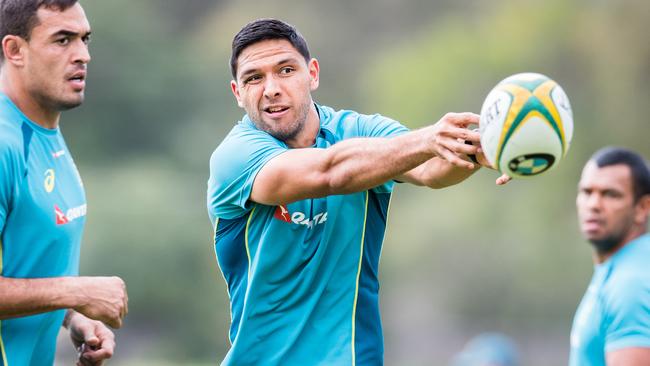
x=299 y=193
x=488 y=349
x=612 y=324
x=42 y=201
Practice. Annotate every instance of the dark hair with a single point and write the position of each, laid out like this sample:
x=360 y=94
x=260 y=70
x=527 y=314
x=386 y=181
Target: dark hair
x=18 y=17
x=262 y=30
x=638 y=167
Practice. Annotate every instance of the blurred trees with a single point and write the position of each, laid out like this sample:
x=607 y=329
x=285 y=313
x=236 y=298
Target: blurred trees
x=456 y=262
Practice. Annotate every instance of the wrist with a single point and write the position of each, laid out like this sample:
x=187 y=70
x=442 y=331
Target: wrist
x=68 y=318
x=71 y=293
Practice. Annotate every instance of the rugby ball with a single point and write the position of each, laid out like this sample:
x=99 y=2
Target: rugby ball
x=526 y=125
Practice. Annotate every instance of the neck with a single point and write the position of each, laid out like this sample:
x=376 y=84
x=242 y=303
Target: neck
x=27 y=103
x=307 y=136
x=631 y=235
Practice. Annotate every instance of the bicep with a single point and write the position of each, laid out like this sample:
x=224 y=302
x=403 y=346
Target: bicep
x=632 y=356
x=292 y=176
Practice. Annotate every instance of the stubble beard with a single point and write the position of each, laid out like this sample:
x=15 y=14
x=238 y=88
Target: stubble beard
x=58 y=104
x=605 y=245
x=291 y=131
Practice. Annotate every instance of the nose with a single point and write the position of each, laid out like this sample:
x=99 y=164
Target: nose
x=271 y=88
x=594 y=201
x=81 y=54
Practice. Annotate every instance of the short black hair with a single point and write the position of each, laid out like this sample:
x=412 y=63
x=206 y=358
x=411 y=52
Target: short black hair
x=18 y=17
x=612 y=155
x=262 y=30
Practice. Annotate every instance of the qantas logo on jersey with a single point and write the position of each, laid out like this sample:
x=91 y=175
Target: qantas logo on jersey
x=71 y=215
x=283 y=214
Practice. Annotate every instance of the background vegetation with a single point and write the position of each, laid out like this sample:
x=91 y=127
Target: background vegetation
x=456 y=262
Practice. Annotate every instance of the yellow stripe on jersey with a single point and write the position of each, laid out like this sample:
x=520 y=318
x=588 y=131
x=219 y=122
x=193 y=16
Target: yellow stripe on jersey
x=216 y=226
x=381 y=248
x=248 y=252
x=356 y=290
x=2 y=348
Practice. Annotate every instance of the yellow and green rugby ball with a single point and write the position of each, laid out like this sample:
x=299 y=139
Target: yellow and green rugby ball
x=526 y=125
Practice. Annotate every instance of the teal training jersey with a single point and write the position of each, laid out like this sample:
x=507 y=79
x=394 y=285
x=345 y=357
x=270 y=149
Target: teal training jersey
x=302 y=277
x=42 y=214
x=615 y=311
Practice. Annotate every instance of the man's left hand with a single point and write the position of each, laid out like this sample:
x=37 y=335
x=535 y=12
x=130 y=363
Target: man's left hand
x=482 y=160
x=93 y=340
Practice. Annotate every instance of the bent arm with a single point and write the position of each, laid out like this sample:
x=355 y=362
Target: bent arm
x=362 y=163
x=632 y=356
x=23 y=297
x=99 y=298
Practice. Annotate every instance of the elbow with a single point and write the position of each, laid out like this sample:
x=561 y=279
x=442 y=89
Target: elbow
x=338 y=183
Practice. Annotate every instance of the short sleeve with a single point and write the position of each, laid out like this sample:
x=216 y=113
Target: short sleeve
x=233 y=168
x=377 y=125
x=9 y=179
x=627 y=317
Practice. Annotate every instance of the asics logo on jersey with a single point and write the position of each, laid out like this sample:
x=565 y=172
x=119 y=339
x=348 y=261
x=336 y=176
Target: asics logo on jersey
x=58 y=154
x=71 y=215
x=49 y=180
x=283 y=214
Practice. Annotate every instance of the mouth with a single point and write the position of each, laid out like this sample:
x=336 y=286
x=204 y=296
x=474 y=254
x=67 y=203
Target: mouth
x=78 y=80
x=275 y=111
x=592 y=224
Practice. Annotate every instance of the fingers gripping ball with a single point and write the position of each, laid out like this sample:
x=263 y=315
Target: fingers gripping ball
x=526 y=125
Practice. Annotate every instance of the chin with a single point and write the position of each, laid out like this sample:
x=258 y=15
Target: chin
x=64 y=105
x=604 y=245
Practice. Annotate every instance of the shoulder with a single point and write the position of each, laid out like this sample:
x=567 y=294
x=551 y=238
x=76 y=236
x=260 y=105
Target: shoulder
x=630 y=268
x=11 y=137
x=242 y=141
x=353 y=123
x=628 y=286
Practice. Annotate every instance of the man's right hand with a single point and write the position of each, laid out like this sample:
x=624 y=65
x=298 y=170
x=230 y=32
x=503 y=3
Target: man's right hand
x=449 y=137
x=102 y=298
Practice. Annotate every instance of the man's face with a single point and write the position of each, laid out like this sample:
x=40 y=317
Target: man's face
x=56 y=57
x=606 y=207
x=274 y=84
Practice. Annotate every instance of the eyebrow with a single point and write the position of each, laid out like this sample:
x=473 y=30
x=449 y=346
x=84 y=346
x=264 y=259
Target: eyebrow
x=64 y=32
x=288 y=60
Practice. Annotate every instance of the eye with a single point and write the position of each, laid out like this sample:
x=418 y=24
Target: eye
x=253 y=79
x=287 y=70
x=612 y=194
x=86 y=39
x=63 y=41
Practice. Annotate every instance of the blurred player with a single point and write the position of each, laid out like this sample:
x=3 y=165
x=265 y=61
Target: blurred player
x=42 y=200
x=612 y=324
x=488 y=349
x=299 y=194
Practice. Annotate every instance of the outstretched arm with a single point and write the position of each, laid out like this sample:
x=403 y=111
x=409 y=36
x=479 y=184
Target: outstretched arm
x=439 y=173
x=358 y=164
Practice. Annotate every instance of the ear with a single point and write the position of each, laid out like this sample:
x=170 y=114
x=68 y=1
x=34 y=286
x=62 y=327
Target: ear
x=235 y=92
x=642 y=210
x=12 y=47
x=314 y=70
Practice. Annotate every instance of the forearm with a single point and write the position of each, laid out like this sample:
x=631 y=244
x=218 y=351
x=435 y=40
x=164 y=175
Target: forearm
x=23 y=297
x=437 y=173
x=358 y=164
